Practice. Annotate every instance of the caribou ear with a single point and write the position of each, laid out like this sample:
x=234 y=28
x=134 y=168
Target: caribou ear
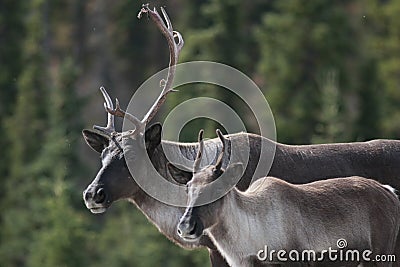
x=234 y=170
x=95 y=140
x=152 y=136
x=179 y=173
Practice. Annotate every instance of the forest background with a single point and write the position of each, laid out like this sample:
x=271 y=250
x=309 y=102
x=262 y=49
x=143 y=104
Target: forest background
x=330 y=71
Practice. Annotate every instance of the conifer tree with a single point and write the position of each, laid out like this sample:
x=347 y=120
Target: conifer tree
x=383 y=25
x=299 y=44
x=11 y=17
x=61 y=240
x=26 y=130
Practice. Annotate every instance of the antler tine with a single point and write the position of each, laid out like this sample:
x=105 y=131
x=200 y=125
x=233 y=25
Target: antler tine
x=174 y=49
x=166 y=18
x=175 y=34
x=196 y=165
x=109 y=129
x=218 y=164
x=123 y=114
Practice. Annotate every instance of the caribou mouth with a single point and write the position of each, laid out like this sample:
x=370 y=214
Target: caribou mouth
x=98 y=210
x=97 y=207
x=191 y=238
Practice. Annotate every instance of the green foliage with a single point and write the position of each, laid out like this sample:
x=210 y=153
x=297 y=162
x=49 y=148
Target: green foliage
x=219 y=36
x=29 y=119
x=299 y=43
x=328 y=69
x=384 y=46
x=63 y=239
x=329 y=128
x=129 y=41
x=369 y=124
x=129 y=240
x=11 y=13
x=221 y=40
x=26 y=131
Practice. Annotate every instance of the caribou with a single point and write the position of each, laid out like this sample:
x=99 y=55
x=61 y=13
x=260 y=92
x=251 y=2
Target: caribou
x=287 y=217
x=379 y=159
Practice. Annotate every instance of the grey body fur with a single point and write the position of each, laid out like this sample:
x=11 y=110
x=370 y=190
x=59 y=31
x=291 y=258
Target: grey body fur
x=304 y=217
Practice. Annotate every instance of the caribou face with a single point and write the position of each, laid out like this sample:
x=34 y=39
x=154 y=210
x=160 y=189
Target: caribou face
x=114 y=180
x=196 y=218
x=199 y=217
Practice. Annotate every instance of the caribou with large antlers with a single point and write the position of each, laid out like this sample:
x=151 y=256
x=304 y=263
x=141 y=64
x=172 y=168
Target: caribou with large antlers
x=287 y=217
x=298 y=164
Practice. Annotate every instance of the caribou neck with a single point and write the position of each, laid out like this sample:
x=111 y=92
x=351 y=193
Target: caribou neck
x=165 y=217
x=178 y=150
x=232 y=215
x=237 y=210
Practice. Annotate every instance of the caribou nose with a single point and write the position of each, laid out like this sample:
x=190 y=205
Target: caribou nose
x=100 y=196
x=87 y=195
x=97 y=195
x=186 y=228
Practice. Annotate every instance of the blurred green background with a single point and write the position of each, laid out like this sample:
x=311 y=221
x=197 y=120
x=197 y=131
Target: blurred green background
x=329 y=69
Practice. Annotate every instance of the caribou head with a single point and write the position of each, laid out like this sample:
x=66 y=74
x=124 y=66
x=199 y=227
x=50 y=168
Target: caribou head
x=114 y=181
x=198 y=217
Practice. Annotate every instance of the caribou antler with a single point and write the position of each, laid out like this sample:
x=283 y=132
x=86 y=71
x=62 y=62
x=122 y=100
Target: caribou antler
x=174 y=49
x=110 y=128
x=197 y=161
x=218 y=164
